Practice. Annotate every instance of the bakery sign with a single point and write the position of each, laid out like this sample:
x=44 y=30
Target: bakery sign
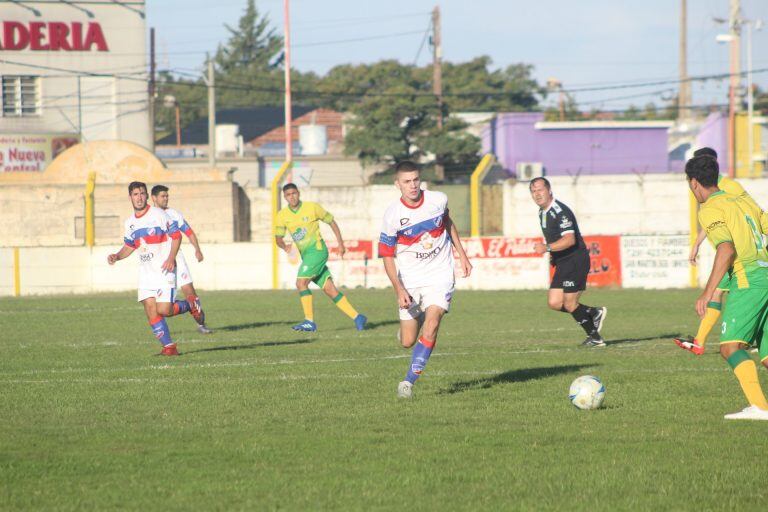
x=52 y=36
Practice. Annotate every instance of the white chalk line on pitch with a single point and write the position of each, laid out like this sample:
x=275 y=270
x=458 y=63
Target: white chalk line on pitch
x=235 y=364
x=333 y=376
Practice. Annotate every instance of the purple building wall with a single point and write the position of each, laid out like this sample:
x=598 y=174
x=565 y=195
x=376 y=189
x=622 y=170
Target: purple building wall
x=586 y=149
x=714 y=134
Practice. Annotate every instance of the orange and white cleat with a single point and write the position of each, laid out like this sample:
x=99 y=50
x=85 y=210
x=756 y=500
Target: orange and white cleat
x=690 y=344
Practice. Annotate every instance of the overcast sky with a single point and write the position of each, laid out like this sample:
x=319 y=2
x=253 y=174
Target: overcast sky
x=580 y=42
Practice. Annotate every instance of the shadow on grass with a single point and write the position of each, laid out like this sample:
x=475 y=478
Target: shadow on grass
x=376 y=325
x=521 y=375
x=250 y=346
x=250 y=325
x=647 y=338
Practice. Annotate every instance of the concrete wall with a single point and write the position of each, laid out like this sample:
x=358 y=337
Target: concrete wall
x=51 y=214
x=614 y=205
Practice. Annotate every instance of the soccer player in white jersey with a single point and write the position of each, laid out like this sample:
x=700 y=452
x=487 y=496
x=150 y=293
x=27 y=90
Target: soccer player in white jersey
x=183 y=276
x=419 y=233
x=157 y=239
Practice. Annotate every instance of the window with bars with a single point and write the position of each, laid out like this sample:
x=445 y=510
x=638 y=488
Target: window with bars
x=21 y=96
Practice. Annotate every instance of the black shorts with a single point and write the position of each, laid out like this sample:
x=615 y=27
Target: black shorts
x=571 y=272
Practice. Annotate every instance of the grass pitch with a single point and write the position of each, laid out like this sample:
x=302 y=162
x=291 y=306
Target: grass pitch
x=257 y=416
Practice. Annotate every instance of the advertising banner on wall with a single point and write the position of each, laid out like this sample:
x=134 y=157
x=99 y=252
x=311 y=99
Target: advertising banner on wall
x=32 y=152
x=655 y=261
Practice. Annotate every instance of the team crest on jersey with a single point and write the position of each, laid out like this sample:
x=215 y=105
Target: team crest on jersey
x=427 y=241
x=404 y=221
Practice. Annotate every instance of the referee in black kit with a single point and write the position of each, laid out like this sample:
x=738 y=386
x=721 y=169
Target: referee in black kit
x=568 y=254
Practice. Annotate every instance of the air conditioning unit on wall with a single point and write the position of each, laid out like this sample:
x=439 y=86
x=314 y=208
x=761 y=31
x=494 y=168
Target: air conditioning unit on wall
x=526 y=171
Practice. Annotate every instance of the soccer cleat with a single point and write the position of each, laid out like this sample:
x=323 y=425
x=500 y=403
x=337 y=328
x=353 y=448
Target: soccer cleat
x=203 y=329
x=690 y=344
x=592 y=341
x=405 y=390
x=306 y=325
x=360 y=321
x=599 y=318
x=169 y=350
x=749 y=413
x=196 y=310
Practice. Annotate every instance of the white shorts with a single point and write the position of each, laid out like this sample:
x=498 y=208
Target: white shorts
x=182 y=271
x=425 y=296
x=165 y=294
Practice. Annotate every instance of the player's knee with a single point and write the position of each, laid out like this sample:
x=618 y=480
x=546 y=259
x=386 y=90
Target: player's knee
x=555 y=304
x=727 y=349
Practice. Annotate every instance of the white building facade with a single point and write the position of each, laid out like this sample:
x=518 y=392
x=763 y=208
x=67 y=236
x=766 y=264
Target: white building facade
x=70 y=71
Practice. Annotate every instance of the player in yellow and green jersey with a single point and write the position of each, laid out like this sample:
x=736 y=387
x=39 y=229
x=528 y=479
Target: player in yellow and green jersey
x=301 y=219
x=734 y=227
x=696 y=343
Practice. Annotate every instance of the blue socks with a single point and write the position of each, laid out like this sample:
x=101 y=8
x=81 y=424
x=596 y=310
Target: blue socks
x=160 y=330
x=421 y=353
x=180 y=307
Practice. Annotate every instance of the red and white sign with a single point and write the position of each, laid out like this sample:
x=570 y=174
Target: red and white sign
x=52 y=36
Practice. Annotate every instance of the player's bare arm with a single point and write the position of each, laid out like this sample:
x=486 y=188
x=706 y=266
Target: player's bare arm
x=123 y=253
x=568 y=240
x=466 y=266
x=695 y=249
x=724 y=257
x=280 y=242
x=170 y=263
x=404 y=300
x=337 y=234
x=196 y=244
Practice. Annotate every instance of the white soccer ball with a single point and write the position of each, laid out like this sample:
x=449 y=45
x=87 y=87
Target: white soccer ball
x=587 y=392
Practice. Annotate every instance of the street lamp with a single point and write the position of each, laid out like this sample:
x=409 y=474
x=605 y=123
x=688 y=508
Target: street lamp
x=170 y=101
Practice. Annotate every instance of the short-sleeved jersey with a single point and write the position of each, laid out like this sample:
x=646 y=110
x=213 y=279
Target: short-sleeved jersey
x=178 y=218
x=417 y=238
x=731 y=186
x=150 y=232
x=557 y=221
x=731 y=218
x=303 y=225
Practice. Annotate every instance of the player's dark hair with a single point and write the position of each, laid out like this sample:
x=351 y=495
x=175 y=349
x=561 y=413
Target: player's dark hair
x=543 y=180
x=136 y=184
x=159 y=188
x=406 y=166
x=705 y=152
x=704 y=168
x=290 y=186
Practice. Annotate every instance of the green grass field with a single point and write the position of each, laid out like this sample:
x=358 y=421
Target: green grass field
x=257 y=416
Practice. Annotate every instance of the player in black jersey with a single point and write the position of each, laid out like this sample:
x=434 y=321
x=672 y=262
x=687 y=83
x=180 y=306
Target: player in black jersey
x=569 y=255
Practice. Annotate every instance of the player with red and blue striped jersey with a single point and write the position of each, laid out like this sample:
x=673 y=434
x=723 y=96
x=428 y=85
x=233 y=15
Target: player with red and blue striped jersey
x=419 y=233
x=157 y=239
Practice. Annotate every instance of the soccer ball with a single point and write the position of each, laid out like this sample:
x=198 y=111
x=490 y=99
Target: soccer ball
x=587 y=392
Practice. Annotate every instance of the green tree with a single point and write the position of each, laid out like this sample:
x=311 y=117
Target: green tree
x=252 y=46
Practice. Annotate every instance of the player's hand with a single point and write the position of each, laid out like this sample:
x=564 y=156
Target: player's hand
x=169 y=265
x=694 y=253
x=404 y=300
x=466 y=267
x=539 y=248
x=112 y=258
x=701 y=304
x=342 y=251
x=199 y=255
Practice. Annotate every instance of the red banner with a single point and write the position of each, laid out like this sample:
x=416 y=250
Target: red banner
x=605 y=260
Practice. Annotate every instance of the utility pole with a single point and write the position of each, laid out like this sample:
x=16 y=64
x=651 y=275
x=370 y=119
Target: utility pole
x=437 y=79
x=734 y=26
x=684 y=92
x=287 y=100
x=211 y=82
x=152 y=89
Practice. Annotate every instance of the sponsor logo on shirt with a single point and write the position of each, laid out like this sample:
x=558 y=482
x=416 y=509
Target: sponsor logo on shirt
x=299 y=234
x=428 y=255
x=427 y=241
x=146 y=258
x=565 y=223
